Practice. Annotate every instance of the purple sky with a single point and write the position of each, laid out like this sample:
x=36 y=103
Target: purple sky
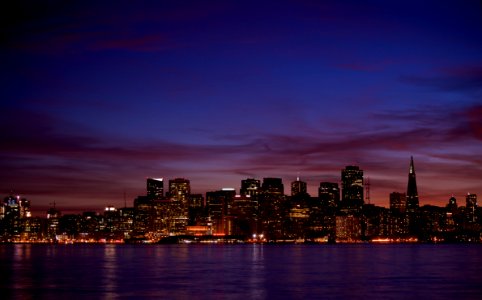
x=97 y=97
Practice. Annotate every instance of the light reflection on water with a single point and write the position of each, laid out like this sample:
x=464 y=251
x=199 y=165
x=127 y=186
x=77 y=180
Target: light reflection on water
x=241 y=271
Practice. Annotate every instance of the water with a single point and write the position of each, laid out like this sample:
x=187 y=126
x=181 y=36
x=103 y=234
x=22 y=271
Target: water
x=358 y=271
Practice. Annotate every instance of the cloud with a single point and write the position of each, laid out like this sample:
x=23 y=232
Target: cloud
x=468 y=78
x=51 y=158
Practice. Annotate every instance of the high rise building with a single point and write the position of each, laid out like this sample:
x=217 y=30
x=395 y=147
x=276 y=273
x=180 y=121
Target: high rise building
x=298 y=187
x=452 y=205
x=398 y=202
x=412 y=194
x=180 y=189
x=273 y=186
x=329 y=194
x=218 y=205
x=471 y=207
x=155 y=188
x=352 y=188
x=250 y=186
x=10 y=215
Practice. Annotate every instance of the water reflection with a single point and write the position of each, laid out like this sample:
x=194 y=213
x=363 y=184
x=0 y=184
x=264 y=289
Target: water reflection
x=109 y=269
x=256 y=286
x=240 y=272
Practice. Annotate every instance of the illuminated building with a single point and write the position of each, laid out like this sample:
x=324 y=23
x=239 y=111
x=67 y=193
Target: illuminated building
x=143 y=212
x=10 y=216
x=218 y=204
x=112 y=221
x=271 y=210
x=298 y=219
x=298 y=187
x=398 y=202
x=412 y=193
x=348 y=228
x=352 y=188
x=250 y=187
x=243 y=216
x=196 y=209
x=397 y=224
x=329 y=194
x=126 y=215
x=169 y=217
x=452 y=205
x=155 y=188
x=273 y=186
x=471 y=207
x=180 y=189
x=53 y=215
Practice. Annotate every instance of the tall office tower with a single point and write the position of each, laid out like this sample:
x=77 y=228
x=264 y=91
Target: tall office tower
x=10 y=215
x=250 y=186
x=273 y=186
x=471 y=207
x=412 y=194
x=196 y=200
x=180 y=189
x=298 y=187
x=452 y=205
x=155 y=188
x=24 y=208
x=352 y=188
x=218 y=205
x=329 y=194
x=398 y=202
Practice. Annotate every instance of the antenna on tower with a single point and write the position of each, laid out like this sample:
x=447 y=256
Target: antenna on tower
x=367 y=190
x=125 y=201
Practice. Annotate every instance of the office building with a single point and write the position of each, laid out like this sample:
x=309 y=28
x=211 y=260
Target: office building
x=412 y=193
x=352 y=188
x=298 y=187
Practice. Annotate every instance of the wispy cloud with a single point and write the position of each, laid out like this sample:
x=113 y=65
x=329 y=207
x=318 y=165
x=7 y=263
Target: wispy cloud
x=467 y=78
x=87 y=164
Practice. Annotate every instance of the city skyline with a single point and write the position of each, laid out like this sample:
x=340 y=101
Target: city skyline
x=97 y=97
x=353 y=191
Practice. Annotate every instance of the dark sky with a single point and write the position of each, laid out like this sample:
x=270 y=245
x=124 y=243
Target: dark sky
x=97 y=96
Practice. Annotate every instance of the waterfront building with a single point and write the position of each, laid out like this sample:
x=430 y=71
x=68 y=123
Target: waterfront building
x=180 y=189
x=271 y=209
x=471 y=207
x=218 y=204
x=348 y=228
x=298 y=187
x=329 y=194
x=250 y=186
x=398 y=202
x=155 y=188
x=452 y=204
x=352 y=188
x=243 y=216
x=412 y=193
x=53 y=216
x=10 y=216
x=272 y=186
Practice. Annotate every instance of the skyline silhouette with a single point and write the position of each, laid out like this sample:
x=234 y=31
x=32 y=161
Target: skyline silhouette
x=97 y=97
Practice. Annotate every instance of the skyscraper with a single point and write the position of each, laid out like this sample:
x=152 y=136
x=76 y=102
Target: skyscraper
x=180 y=189
x=412 y=194
x=298 y=187
x=250 y=186
x=398 y=202
x=329 y=194
x=471 y=207
x=352 y=188
x=273 y=186
x=155 y=188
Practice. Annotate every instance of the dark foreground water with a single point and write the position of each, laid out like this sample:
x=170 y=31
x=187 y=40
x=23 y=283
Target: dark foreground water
x=241 y=271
